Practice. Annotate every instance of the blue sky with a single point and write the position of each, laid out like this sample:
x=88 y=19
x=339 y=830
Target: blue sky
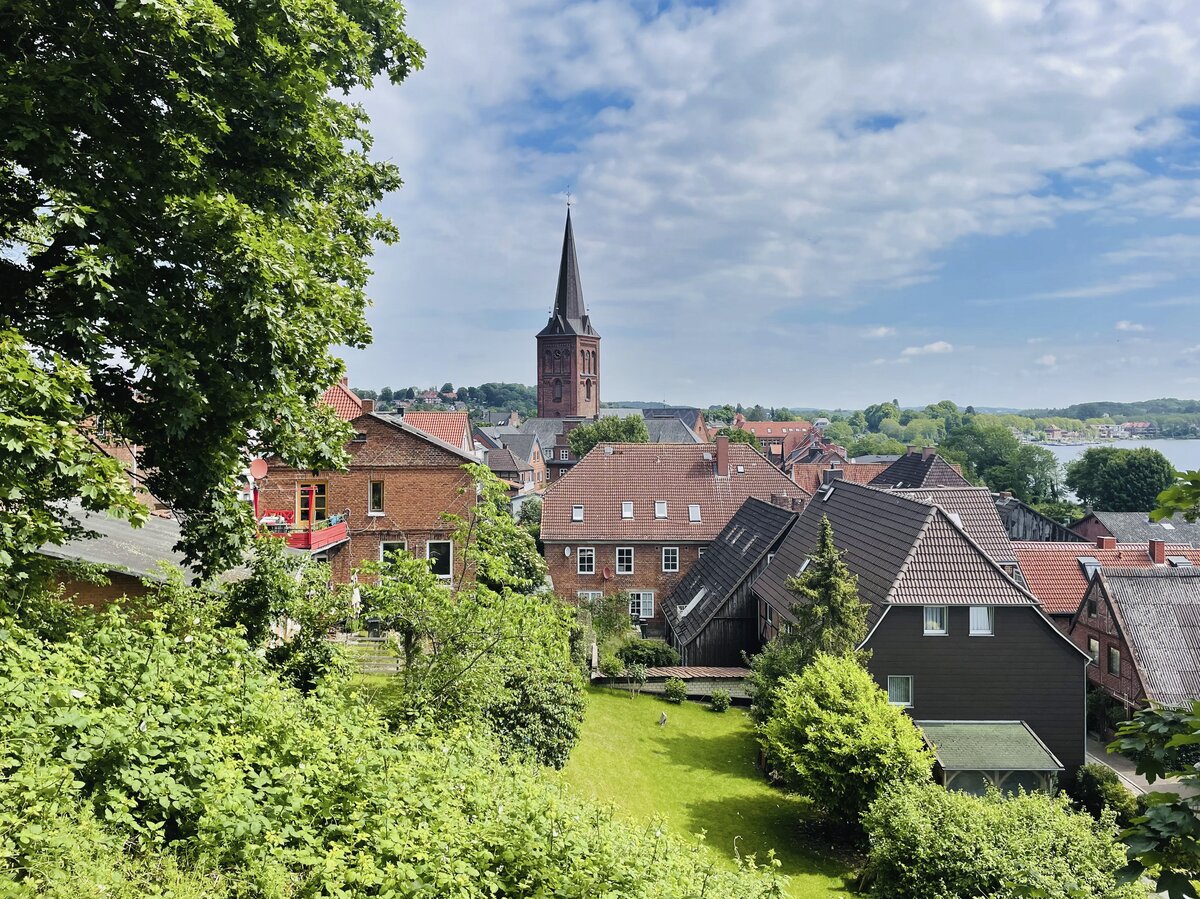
x=802 y=202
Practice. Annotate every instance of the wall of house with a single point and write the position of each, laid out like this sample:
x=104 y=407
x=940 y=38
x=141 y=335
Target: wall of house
x=1025 y=672
x=734 y=630
x=421 y=483
x=647 y=572
x=96 y=595
x=1125 y=687
x=1091 y=528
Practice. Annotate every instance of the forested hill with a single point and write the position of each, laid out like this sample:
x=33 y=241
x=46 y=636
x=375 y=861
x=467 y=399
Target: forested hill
x=1122 y=411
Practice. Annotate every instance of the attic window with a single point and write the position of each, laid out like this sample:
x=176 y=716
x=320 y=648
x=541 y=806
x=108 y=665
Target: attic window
x=627 y=509
x=660 y=508
x=1167 y=525
x=577 y=513
x=826 y=492
x=694 y=512
x=1090 y=566
x=803 y=565
x=1179 y=561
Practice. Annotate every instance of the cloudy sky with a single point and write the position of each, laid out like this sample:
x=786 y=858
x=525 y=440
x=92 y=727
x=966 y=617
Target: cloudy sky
x=802 y=202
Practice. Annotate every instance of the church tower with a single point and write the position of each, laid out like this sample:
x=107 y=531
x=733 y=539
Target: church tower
x=568 y=348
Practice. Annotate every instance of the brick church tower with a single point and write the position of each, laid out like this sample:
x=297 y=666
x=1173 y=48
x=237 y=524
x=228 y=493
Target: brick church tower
x=568 y=348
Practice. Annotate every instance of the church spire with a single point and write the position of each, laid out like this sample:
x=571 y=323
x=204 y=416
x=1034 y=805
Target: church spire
x=569 y=315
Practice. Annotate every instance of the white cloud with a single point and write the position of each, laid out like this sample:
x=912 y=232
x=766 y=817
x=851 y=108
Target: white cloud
x=1033 y=340
x=1048 y=361
x=881 y=331
x=1125 y=325
x=929 y=349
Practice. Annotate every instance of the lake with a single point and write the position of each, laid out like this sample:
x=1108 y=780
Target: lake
x=1184 y=454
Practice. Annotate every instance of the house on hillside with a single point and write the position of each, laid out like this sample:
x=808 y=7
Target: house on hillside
x=635 y=518
x=1136 y=527
x=952 y=637
x=1141 y=627
x=920 y=468
x=504 y=464
x=711 y=615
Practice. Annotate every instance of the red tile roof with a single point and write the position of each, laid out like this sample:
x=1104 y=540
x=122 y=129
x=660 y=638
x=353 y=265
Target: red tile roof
x=345 y=402
x=808 y=474
x=453 y=428
x=1053 y=573
x=645 y=473
x=775 y=429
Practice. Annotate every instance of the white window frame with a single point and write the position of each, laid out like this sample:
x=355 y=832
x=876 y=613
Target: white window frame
x=617 y=559
x=577 y=512
x=639 y=596
x=627 y=509
x=564 y=455
x=694 y=513
x=935 y=631
x=670 y=549
x=1095 y=654
x=591 y=557
x=587 y=595
x=1109 y=650
x=429 y=543
x=991 y=622
x=911 y=690
x=403 y=544
x=700 y=552
x=660 y=508
x=371 y=511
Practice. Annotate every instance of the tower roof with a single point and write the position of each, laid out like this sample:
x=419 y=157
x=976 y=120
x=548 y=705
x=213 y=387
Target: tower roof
x=569 y=315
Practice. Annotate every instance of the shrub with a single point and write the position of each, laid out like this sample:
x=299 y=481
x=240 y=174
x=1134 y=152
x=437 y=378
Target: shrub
x=838 y=741
x=636 y=675
x=720 y=701
x=651 y=653
x=675 y=690
x=538 y=714
x=1097 y=787
x=611 y=667
x=930 y=843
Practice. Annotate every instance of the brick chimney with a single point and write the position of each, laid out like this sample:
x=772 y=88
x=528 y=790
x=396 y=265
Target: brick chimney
x=368 y=405
x=1106 y=543
x=797 y=504
x=913 y=450
x=1158 y=552
x=928 y=451
x=829 y=475
x=722 y=457
x=782 y=500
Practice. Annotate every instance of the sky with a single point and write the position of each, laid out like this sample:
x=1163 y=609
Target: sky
x=810 y=203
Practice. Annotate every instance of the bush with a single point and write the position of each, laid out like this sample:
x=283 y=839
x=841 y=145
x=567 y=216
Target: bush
x=838 y=741
x=675 y=690
x=1097 y=787
x=651 y=653
x=539 y=714
x=930 y=843
x=720 y=701
x=611 y=667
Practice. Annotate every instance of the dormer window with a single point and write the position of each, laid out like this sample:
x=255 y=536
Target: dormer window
x=577 y=513
x=627 y=509
x=1090 y=566
x=694 y=512
x=660 y=508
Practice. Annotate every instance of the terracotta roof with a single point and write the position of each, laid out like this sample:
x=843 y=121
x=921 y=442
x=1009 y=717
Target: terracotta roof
x=690 y=672
x=807 y=475
x=345 y=402
x=1053 y=574
x=977 y=515
x=915 y=469
x=453 y=428
x=775 y=429
x=643 y=473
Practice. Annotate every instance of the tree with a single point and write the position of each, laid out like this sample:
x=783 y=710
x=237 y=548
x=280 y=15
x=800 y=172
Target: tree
x=1031 y=474
x=1183 y=497
x=875 y=445
x=447 y=388
x=495 y=551
x=195 y=258
x=386 y=395
x=463 y=394
x=740 y=435
x=830 y=619
x=879 y=412
x=839 y=432
x=410 y=393
x=757 y=413
x=838 y=741
x=983 y=445
x=858 y=421
x=610 y=429
x=1120 y=480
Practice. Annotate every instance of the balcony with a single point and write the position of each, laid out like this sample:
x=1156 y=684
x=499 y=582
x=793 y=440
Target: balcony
x=317 y=537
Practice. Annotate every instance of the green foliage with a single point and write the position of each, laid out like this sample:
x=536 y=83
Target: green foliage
x=538 y=714
x=740 y=435
x=875 y=445
x=1182 y=497
x=610 y=666
x=830 y=619
x=1064 y=513
x=839 y=432
x=195 y=257
x=46 y=461
x=1097 y=787
x=879 y=412
x=636 y=675
x=531 y=513
x=1120 y=480
x=610 y=429
x=609 y=618
x=502 y=555
x=720 y=700
x=930 y=843
x=651 y=653
x=837 y=741
x=674 y=690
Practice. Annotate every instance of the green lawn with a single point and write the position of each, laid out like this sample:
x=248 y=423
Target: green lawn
x=698 y=773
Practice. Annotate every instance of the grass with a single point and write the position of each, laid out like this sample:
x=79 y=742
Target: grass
x=698 y=773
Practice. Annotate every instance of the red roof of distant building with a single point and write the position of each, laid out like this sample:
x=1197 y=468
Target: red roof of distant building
x=345 y=402
x=453 y=428
x=808 y=475
x=775 y=429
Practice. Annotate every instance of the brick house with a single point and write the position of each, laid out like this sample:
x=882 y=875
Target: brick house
x=399 y=482
x=636 y=517
x=453 y=428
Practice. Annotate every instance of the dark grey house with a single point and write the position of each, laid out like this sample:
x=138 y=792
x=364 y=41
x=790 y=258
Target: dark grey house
x=952 y=637
x=920 y=468
x=711 y=615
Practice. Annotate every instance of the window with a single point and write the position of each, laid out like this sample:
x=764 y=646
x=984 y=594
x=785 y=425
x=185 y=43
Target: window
x=981 y=621
x=375 y=498
x=935 y=620
x=694 y=512
x=641 y=604
x=1091 y=605
x=670 y=558
x=700 y=552
x=1114 y=661
x=770 y=614
x=587 y=389
x=624 y=560
x=1090 y=565
x=589 y=595
x=310 y=503
x=627 y=509
x=564 y=455
x=390 y=546
x=440 y=553
x=585 y=560
x=1094 y=649
x=660 y=508
x=577 y=513
x=770 y=556
x=900 y=690
x=557 y=390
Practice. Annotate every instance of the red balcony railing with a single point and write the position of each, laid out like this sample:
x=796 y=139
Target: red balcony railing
x=314 y=537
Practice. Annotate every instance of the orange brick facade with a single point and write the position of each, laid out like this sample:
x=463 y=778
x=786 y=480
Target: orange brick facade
x=421 y=481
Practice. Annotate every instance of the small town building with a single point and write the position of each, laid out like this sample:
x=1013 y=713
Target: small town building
x=974 y=756
x=1023 y=522
x=920 y=468
x=568 y=347
x=1136 y=527
x=811 y=476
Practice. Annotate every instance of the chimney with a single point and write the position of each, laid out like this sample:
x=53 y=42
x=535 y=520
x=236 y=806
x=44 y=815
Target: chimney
x=913 y=450
x=1006 y=494
x=344 y=380
x=927 y=452
x=1106 y=543
x=722 y=457
x=368 y=405
x=782 y=500
x=1158 y=552
x=829 y=475
x=797 y=504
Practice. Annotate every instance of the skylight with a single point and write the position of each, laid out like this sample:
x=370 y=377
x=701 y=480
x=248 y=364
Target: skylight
x=577 y=513
x=1179 y=561
x=627 y=509
x=700 y=594
x=694 y=512
x=660 y=508
x=1167 y=525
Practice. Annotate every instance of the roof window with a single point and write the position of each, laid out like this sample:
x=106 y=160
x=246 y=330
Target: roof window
x=694 y=512
x=577 y=513
x=1179 y=561
x=700 y=594
x=660 y=508
x=627 y=509
x=1167 y=525
x=741 y=469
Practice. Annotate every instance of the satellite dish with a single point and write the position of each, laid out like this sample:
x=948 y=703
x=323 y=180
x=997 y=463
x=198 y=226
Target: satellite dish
x=258 y=469
x=608 y=573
